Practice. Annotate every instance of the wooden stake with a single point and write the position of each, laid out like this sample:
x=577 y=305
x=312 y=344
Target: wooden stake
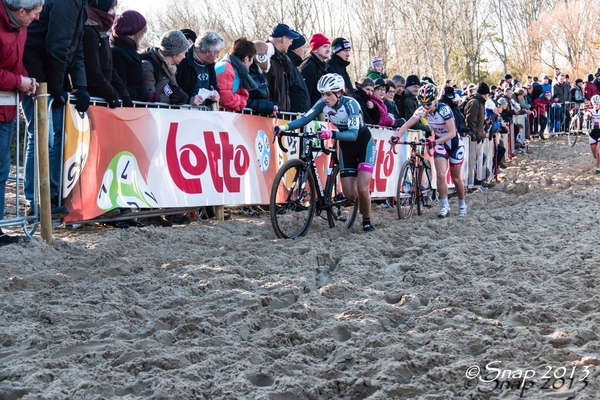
x=43 y=162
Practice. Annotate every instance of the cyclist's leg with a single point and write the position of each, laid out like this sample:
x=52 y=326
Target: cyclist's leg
x=362 y=185
x=440 y=175
x=456 y=173
x=349 y=185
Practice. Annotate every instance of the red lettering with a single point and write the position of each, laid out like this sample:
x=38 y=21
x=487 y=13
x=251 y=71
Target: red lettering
x=187 y=185
x=383 y=167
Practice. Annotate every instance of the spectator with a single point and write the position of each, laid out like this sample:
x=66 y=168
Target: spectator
x=15 y=17
x=597 y=80
x=577 y=96
x=299 y=95
x=536 y=89
x=196 y=73
x=103 y=80
x=388 y=100
x=258 y=99
x=529 y=80
x=450 y=98
x=128 y=30
x=410 y=103
x=509 y=79
x=377 y=71
x=448 y=83
x=190 y=35
x=475 y=119
x=377 y=98
x=561 y=90
x=546 y=85
x=233 y=75
x=556 y=115
x=314 y=67
x=279 y=73
x=160 y=65
x=589 y=89
x=362 y=94
x=54 y=54
x=339 y=61
x=541 y=108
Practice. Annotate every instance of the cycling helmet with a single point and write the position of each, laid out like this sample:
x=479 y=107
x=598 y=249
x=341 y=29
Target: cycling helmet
x=428 y=93
x=330 y=83
x=595 y=99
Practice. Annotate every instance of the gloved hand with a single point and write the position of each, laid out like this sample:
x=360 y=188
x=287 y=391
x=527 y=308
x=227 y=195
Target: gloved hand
x=431 y=144
x=83 y=99
x=127 y=102
x=394 y=139
x=178 y=96
x=59 y=96
x=419 y=112
x=113 y=101
x=278 y=129
x=325 y=134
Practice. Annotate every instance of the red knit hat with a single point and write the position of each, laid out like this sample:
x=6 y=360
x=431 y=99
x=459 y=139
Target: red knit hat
x=317 y=40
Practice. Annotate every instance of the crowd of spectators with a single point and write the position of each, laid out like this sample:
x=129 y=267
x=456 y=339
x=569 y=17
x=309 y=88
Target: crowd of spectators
x=89 y=51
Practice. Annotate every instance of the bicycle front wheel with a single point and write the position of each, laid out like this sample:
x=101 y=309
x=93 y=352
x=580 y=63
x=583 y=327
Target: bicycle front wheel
x=293 y=200
x=406 y=195
x=573 y=132
x=341 y=209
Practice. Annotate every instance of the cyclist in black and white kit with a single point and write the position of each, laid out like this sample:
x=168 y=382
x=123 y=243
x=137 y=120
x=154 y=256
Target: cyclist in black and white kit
x=446 y=143
x=594 y=116
x=357 y=148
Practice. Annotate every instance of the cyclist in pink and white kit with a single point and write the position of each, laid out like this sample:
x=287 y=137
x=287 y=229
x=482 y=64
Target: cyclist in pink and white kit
x=447 y=145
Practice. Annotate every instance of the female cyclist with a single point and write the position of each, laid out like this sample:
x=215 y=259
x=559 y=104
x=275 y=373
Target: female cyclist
x=447 y=145
x=357 y=149
x=594 y=116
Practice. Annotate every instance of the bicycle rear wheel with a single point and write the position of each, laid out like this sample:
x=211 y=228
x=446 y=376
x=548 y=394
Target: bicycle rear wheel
x=293 y=200
x=573 y=132
x=406 y=195
x=426 y=189
x=341 y=210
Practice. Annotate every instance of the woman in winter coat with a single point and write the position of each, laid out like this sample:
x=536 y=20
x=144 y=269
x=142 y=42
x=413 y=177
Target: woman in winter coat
x=233 y=75
x=103 y=81
x=377 y=98
x=160 y=67
x=258 y=99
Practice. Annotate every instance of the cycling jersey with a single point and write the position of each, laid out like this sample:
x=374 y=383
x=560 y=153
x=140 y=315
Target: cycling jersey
x=357 y=148
x=453 y=150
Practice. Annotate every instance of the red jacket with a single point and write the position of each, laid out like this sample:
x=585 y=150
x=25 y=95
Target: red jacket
x=589 y=90
x=232 y=95
x=540 y=106
x=12 y=45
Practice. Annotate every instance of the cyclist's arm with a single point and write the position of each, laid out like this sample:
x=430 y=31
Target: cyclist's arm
x=407 y=125
x=309 y=116
x=354 y=122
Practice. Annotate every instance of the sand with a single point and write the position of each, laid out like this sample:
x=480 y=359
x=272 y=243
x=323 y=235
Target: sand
x=225 y=310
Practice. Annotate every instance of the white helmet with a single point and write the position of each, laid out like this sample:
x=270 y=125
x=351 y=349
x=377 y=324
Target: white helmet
x=331 y=83
x=595 y=99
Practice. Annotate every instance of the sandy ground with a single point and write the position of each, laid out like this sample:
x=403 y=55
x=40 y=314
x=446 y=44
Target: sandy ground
x=227 y=311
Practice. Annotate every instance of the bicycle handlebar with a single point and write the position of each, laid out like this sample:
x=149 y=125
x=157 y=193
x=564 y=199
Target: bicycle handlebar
x=303 y=135
x=423 y=142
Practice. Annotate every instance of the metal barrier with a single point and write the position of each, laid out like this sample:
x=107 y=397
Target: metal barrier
x=18 y=217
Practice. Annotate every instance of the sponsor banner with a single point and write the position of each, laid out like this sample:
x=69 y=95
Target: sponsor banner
x=161 y=158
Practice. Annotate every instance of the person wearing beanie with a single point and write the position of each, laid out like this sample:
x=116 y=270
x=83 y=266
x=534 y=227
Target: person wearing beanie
x=314 y=67
x=160 y=68
x=233 y=75
x=377 y=71
x=339 y=61
x=577 y=95
x=407 y=103
x=508 y=79
x=128 y=30
x=102 y=80
x=297 y=51
x=362 y=94
x=190 y=35
x=196 y=73
x=258 y=99
x=53 y=54
x=589 y=88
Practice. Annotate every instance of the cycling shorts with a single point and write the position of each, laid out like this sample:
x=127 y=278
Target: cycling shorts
x=594 y=136
x=359 y=155
x=453 y=150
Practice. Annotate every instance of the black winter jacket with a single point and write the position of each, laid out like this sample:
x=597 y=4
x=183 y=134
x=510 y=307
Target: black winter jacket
x=336 y=65
x=187 y=75
x=103 y=80
x=279 y=80
x=370 y=115
x=54 y=47
x=258 y=99
x=312 y=69
x=128 y=65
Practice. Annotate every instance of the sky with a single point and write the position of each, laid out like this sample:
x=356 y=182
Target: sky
x=142 y=6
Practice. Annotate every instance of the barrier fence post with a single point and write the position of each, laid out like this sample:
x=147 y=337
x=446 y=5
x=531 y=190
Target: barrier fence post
x=41 y=132
x=219 y=210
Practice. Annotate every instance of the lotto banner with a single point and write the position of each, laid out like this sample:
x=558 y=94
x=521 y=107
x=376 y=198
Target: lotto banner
x=160 y=158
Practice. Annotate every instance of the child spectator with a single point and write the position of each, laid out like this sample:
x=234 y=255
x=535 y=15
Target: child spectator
x=556 y=115
x=377 y=71
x=258 y=99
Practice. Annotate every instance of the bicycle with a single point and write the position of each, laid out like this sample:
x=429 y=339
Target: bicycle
x=297 y=194
x=415 y=169
x=575 y=128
